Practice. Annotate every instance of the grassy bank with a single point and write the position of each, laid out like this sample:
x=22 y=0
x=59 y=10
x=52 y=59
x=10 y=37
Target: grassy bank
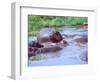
x=35 y=23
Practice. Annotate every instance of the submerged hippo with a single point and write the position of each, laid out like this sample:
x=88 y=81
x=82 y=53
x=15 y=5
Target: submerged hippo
x=33 y=47
x=81 y=40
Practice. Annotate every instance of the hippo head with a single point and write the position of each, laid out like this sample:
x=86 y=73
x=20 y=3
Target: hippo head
x=56 y=37
x=36 y=45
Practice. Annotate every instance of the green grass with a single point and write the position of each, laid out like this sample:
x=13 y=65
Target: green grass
x=32 y=33
x=35 y=23
x=36 y=58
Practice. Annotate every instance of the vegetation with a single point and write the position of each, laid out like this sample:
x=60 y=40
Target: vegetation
x=38 y=57
x=37 y=22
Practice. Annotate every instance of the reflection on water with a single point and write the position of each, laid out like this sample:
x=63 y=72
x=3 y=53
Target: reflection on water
x=74 y=53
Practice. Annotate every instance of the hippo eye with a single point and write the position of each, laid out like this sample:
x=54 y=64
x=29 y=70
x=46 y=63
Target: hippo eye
x=56 y=32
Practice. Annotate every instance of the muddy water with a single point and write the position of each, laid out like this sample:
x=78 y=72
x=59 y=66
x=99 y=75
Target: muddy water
x=70 y=54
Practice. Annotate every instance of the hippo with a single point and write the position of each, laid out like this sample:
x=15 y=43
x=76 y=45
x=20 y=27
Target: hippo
x=49 y=35
x=33 y=47
x=81 y=40
x=48 y=40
